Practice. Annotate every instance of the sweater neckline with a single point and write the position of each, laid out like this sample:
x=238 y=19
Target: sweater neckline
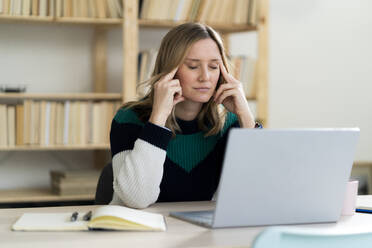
x=188 y=127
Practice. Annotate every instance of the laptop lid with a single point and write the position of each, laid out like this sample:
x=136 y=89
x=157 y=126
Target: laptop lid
x=284 y=176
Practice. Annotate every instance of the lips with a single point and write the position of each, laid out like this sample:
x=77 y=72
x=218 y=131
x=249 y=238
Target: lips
x=202 y=89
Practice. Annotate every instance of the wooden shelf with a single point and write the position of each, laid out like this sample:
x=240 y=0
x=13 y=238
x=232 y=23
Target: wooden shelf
x=82 y=20
x=56 y=147
x=62 y=96
x=363 y=163
x=224 y=28
x=38 y=195
x=26 y=18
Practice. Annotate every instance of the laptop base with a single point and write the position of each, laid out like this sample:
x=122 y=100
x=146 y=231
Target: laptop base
x=203 y=218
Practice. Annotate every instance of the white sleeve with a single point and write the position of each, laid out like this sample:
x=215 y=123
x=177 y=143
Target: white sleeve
x=137 y=175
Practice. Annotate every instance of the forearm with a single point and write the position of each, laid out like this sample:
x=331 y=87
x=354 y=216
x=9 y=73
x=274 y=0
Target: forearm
x=138 y=171
x=138 y=174
x=246 y=120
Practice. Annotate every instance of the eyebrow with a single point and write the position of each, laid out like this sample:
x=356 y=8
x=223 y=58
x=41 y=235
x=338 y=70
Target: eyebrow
x=197 y=60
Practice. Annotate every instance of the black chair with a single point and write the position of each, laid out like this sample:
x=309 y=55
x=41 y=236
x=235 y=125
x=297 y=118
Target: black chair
x=104 y=190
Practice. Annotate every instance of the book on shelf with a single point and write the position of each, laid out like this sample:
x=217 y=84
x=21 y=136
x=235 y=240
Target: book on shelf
x=74 y=174
x=108 y=217
x=59 y=123
x=67 y=8
x=7 y=125
x=43 y=123
x=209 y=11
x=27 y=119
x=26 y=7
x=43 y=8
x=101 y=8
x=74 y=182
x=252 y=14
x=11 y=124
x=92 y=9
x=19 y=124
x=3 y=126
x=35 y=8
x=63 y=8
x=50 y=123
x=5 y=7
x=244 y=70
x=35 y=123
x=66 y=122
x=146 y=63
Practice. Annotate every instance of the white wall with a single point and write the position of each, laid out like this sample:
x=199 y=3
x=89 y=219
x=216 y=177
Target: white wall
x=320 y=72
x=320 y=66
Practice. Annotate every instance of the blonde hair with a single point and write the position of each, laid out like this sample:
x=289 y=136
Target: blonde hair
x=173 y=50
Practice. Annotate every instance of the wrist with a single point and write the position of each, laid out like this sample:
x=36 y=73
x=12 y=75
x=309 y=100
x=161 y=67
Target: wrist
x=157 y=119
x=246 y=120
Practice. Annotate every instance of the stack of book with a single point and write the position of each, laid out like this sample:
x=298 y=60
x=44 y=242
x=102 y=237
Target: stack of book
x=74 y=182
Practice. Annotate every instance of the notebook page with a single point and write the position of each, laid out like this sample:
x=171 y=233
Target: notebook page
x=137 y=216
x=49 y=222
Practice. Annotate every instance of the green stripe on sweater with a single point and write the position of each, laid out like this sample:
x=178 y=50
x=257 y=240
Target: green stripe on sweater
x=189 y=150
x=185 y=150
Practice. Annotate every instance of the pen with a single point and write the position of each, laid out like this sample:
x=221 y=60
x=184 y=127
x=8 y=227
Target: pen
x=74 y=216
x=361 y=210
x=87 y=216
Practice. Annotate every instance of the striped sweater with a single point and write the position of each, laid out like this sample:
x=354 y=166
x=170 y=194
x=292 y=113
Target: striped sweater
x=150 y=166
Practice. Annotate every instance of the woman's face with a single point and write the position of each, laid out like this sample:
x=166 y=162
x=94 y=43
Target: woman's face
x=200 y=71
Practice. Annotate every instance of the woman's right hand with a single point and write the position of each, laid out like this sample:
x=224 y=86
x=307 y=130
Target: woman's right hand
x=167 y=93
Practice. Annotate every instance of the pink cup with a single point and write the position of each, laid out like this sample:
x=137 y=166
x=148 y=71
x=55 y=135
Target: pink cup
x=350 y=198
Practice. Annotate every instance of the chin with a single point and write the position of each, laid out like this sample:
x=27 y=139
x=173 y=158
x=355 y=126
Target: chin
x=200 y=99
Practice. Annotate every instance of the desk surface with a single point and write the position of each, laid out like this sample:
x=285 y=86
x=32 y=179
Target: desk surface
x=179 y=233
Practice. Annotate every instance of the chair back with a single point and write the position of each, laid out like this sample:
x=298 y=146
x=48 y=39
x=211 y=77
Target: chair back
x=105 y=191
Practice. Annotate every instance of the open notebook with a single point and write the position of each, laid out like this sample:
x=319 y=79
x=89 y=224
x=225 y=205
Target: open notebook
x=108 y=217
x=364 y=204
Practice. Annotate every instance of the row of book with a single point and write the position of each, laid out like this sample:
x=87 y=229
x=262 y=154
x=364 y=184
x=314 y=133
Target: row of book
x=74 y=182
x=63 y=8
x=207 y=11
x=243 y=69
x=145 y=67
x=48 y=123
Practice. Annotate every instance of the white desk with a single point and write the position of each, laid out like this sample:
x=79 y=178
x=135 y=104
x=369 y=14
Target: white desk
x=179 y=233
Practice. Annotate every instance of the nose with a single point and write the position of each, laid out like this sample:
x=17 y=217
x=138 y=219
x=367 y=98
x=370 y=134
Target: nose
x=204 y=75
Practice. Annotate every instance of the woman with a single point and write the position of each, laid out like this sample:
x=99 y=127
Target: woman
x=169 y=146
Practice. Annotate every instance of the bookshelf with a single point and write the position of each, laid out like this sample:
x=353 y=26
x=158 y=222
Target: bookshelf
x=130 y=25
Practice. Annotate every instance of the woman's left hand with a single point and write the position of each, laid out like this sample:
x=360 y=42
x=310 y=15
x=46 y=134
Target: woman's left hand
x=232 y=96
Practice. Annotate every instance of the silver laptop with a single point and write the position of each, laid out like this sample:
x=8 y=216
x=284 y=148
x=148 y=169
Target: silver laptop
x=287 y=176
